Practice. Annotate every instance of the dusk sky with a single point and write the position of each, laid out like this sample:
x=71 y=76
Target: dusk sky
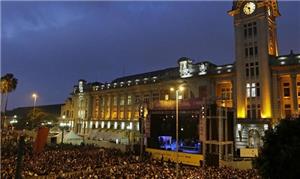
x=49 y=46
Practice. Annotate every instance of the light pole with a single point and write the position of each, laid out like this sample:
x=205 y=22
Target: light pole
x=34 y=96
x=177 y=116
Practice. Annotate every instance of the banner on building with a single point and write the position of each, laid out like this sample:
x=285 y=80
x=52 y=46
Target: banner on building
x=184 y=158
x=246 y=152
x=41 y=139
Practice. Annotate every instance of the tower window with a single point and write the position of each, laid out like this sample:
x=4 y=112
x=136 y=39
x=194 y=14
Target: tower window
x=250 y=32
x=251 y=90
x=251 y=51
x=257 y=71
x=252 y=71
x=255 y=50
x=247 y=72
x=246 y=52
x=254 y=30
x=248 y=90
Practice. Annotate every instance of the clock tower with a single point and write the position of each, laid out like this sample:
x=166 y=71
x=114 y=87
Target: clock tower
x=255 y=42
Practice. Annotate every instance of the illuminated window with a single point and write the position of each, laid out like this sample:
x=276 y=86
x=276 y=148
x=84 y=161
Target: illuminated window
x=115 y=100
x=122 y=100
x=129 y=126
x=121 y=115
x=123 y=125
x=129 y=115
x=248 y=90
x=129 y=100
x=166 y=97
x=114 y=115
x=253 y=90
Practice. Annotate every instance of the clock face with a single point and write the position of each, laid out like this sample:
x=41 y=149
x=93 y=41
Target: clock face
x=249 y=8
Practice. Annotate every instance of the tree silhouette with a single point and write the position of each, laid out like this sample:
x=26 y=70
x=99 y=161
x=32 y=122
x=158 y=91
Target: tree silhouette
x=8 y=84
x=280 y=155
x=35 y=118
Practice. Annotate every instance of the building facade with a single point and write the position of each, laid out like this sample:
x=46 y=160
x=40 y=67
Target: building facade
x=261 y=86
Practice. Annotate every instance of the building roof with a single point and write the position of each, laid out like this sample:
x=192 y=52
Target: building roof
x=168 y=73
x=285 y=60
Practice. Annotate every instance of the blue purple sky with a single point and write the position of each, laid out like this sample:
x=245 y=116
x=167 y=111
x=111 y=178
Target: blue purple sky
x=48 y=46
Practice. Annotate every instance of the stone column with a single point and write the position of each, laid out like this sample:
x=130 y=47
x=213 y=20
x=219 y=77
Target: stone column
x=275 y=96
x=294 y=96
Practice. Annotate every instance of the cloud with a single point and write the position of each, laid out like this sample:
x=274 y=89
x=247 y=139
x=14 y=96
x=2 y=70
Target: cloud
x=25 y=16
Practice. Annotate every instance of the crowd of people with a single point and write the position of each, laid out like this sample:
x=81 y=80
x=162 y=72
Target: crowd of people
x=86 y=161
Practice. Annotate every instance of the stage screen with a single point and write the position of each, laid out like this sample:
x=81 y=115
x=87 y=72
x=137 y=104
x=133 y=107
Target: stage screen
x=163 y=132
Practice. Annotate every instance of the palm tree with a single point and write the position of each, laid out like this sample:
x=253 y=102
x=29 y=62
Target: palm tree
x=8 y=84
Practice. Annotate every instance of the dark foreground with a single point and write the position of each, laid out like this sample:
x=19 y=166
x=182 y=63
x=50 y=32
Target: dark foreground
x=92 y=162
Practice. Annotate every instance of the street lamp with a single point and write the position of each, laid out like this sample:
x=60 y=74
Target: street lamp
x=34 y=96
x=177 y=116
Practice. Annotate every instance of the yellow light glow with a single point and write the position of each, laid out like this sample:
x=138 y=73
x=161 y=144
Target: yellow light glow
x=241 y=112
x=181 y=88
x=171 y=89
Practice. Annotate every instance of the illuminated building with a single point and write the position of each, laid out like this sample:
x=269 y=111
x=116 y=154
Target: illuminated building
x=261 y=86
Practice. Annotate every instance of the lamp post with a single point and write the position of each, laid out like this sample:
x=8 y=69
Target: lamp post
x=34 y=96
x=177 y=116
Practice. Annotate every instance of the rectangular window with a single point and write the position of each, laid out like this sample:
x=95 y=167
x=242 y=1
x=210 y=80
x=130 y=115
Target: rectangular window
x=247 y=72
x=129 y=115
x=245 y=33
x=252 y=71
x=253 y=90
x=166 y=97
x=250 y=31
x=254 y=30
x=121 y=115
x=122 y=100
x=257 y=71
x=286 y=92
x=115 y=100
x=129 y=100
x=146 y=98
x=137 y=99
x=258 y=91
x=251 y=51
x=248 y=90
x=108 y=101
x=102 y=101
x=255 y=50
x=246 y=52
